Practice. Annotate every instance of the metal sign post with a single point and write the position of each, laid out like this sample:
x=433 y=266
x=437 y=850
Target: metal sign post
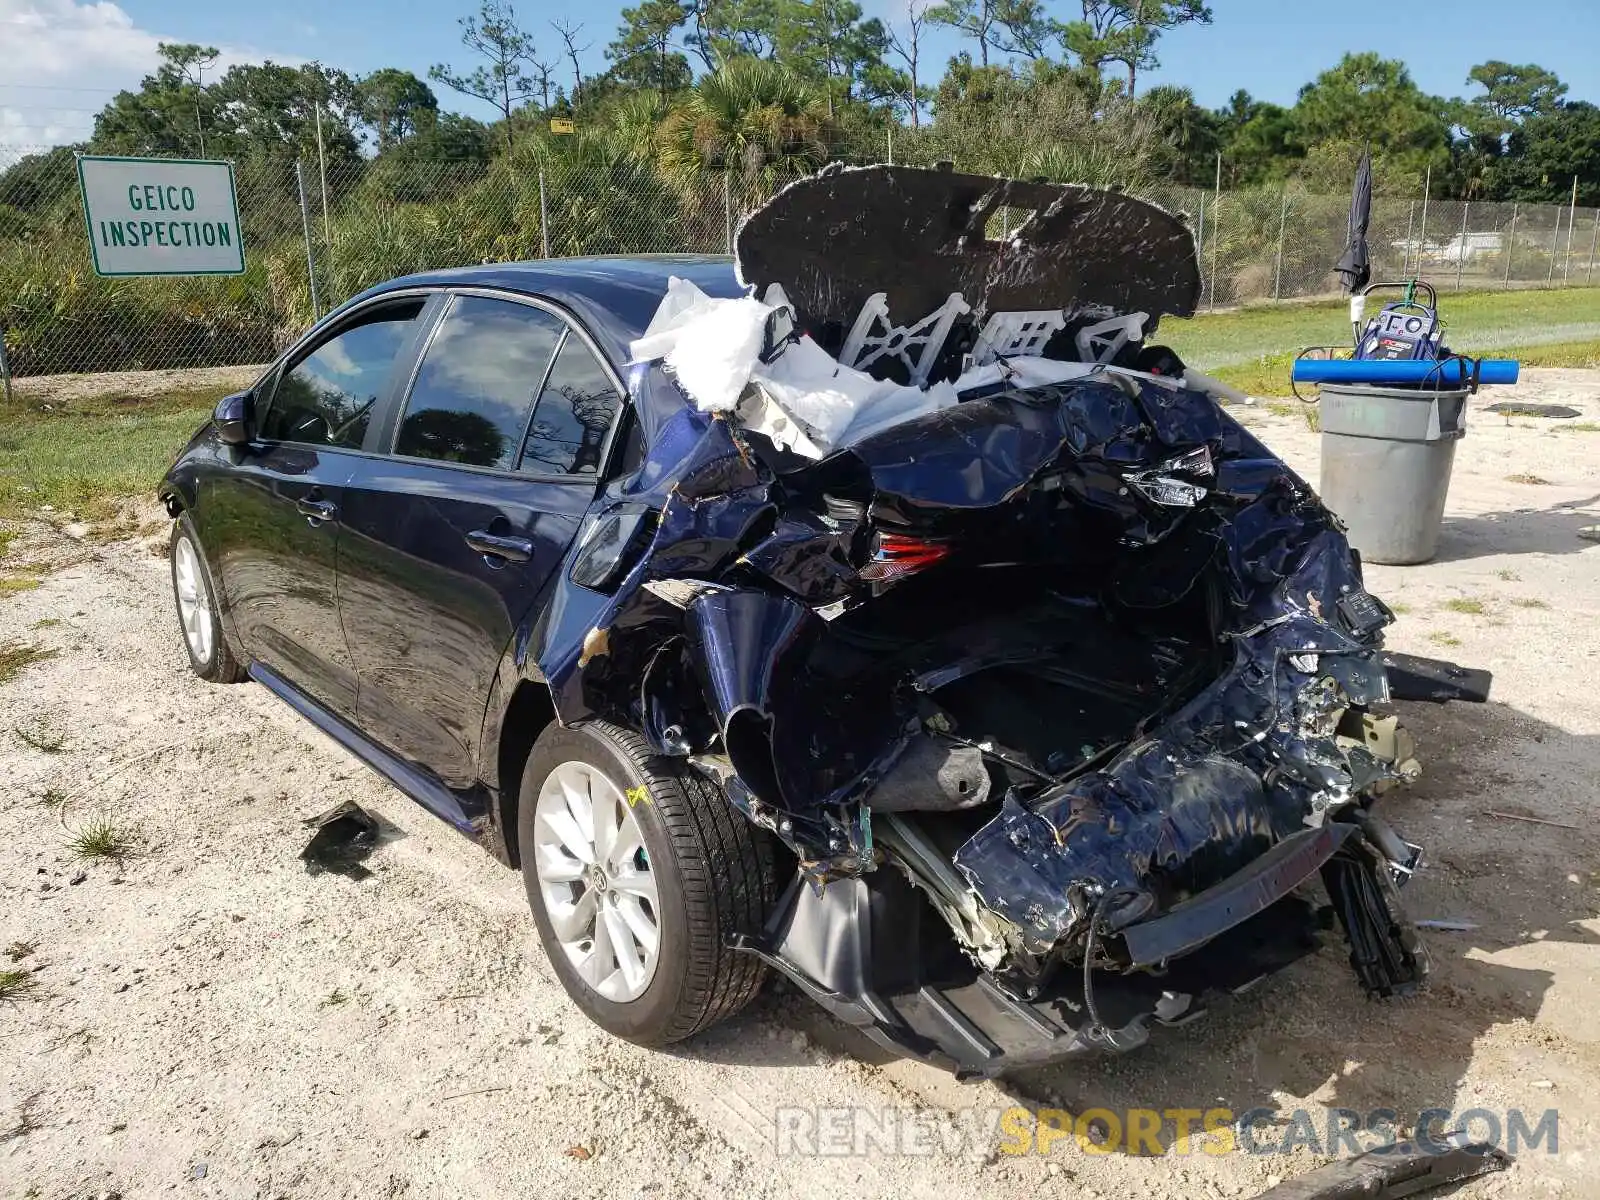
x=1283 y=224
x=161 y=216
x=1216 y=233
x=1572 y=221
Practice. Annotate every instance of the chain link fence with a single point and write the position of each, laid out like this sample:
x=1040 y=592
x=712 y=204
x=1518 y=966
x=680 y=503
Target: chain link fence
x=357 y=223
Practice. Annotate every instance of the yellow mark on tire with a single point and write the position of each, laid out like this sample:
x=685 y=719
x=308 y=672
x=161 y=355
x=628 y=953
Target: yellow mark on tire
x=636 y=796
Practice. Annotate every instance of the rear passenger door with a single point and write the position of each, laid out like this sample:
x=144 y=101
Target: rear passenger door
x=495 y=453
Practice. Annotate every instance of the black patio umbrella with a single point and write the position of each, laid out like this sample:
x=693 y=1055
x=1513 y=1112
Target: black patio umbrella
x=1355 y=266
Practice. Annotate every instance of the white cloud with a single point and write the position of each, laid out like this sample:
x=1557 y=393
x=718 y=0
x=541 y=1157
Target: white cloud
x=63 y=61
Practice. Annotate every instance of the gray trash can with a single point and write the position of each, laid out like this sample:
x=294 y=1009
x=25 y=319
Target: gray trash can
x=1386 y=459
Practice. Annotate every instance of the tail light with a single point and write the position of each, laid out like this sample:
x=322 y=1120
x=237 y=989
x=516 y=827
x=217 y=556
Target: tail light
x=898 y=555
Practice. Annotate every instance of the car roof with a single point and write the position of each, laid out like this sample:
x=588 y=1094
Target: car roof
x=613 y=295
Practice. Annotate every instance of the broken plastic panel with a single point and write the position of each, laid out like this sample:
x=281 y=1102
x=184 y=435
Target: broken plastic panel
x=917 y=345
x=1104 y=340
x=1016 y=334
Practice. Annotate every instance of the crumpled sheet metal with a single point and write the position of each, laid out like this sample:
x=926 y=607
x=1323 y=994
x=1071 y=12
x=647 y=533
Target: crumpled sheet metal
x=803 y=755
x=707 y=491
x=1187 y=805
x=987 y=450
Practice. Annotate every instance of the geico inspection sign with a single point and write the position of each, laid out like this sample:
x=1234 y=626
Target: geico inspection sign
x=161 y=216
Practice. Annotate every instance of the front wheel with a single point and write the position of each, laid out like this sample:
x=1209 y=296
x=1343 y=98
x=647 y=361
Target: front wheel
x=210 y=656
x=638 y=872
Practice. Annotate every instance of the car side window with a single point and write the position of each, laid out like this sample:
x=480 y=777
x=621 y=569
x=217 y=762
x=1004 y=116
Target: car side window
x=477 y=382
x=327 y=397
x=574 y=413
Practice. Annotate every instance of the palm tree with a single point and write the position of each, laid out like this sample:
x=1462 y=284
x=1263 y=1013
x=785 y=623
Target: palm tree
x=633 y=119
x=751 y=116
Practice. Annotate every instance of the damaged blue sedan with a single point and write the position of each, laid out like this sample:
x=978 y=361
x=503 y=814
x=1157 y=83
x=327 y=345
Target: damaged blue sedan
x=882 y=606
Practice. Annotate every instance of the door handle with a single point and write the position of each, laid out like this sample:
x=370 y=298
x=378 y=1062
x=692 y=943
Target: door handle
x=508 y=549
x=316 y=512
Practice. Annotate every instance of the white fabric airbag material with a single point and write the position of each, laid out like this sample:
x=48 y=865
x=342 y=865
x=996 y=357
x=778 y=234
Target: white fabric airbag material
x=709 y=344
x=805 y=400
x=808 y=402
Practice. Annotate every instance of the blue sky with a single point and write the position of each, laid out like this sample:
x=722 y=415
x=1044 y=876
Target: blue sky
x=63 y=59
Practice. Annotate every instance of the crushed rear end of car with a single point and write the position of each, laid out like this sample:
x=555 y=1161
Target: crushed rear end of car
x=1064 y=692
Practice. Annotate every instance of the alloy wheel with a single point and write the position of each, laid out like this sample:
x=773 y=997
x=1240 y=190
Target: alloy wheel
x=194 y=603
x=595 y=881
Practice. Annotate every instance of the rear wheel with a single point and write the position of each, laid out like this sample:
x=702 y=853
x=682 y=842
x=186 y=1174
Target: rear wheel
x=638 y=872
x=210 y=656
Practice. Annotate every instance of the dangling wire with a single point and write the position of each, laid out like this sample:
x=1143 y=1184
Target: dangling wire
x=1097 y=1028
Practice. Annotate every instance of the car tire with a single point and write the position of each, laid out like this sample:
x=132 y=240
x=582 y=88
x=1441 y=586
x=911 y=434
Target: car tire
x=711 y=878
x=194 y=596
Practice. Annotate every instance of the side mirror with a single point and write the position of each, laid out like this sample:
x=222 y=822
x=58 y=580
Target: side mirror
x=232 y=418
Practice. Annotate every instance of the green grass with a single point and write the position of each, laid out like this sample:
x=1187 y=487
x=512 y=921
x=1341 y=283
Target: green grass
x=11 y=585
x=1585 y=353
x=17 y=985
x=1532 y=602
x=1444 y=639
x=103 y=838
x=1578 y=427
x=84 y=456
x=16 y=657
x=1252 y=348
x=1466 y=604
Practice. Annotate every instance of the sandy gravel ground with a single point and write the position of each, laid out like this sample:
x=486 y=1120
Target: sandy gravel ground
x=210 y=1020
x=62 y=389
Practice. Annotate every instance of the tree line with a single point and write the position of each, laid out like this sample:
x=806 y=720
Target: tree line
x=1046 y=88
x=703 y=108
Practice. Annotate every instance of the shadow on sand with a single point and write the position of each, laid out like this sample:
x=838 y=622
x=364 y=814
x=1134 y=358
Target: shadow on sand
x=1552 y=530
